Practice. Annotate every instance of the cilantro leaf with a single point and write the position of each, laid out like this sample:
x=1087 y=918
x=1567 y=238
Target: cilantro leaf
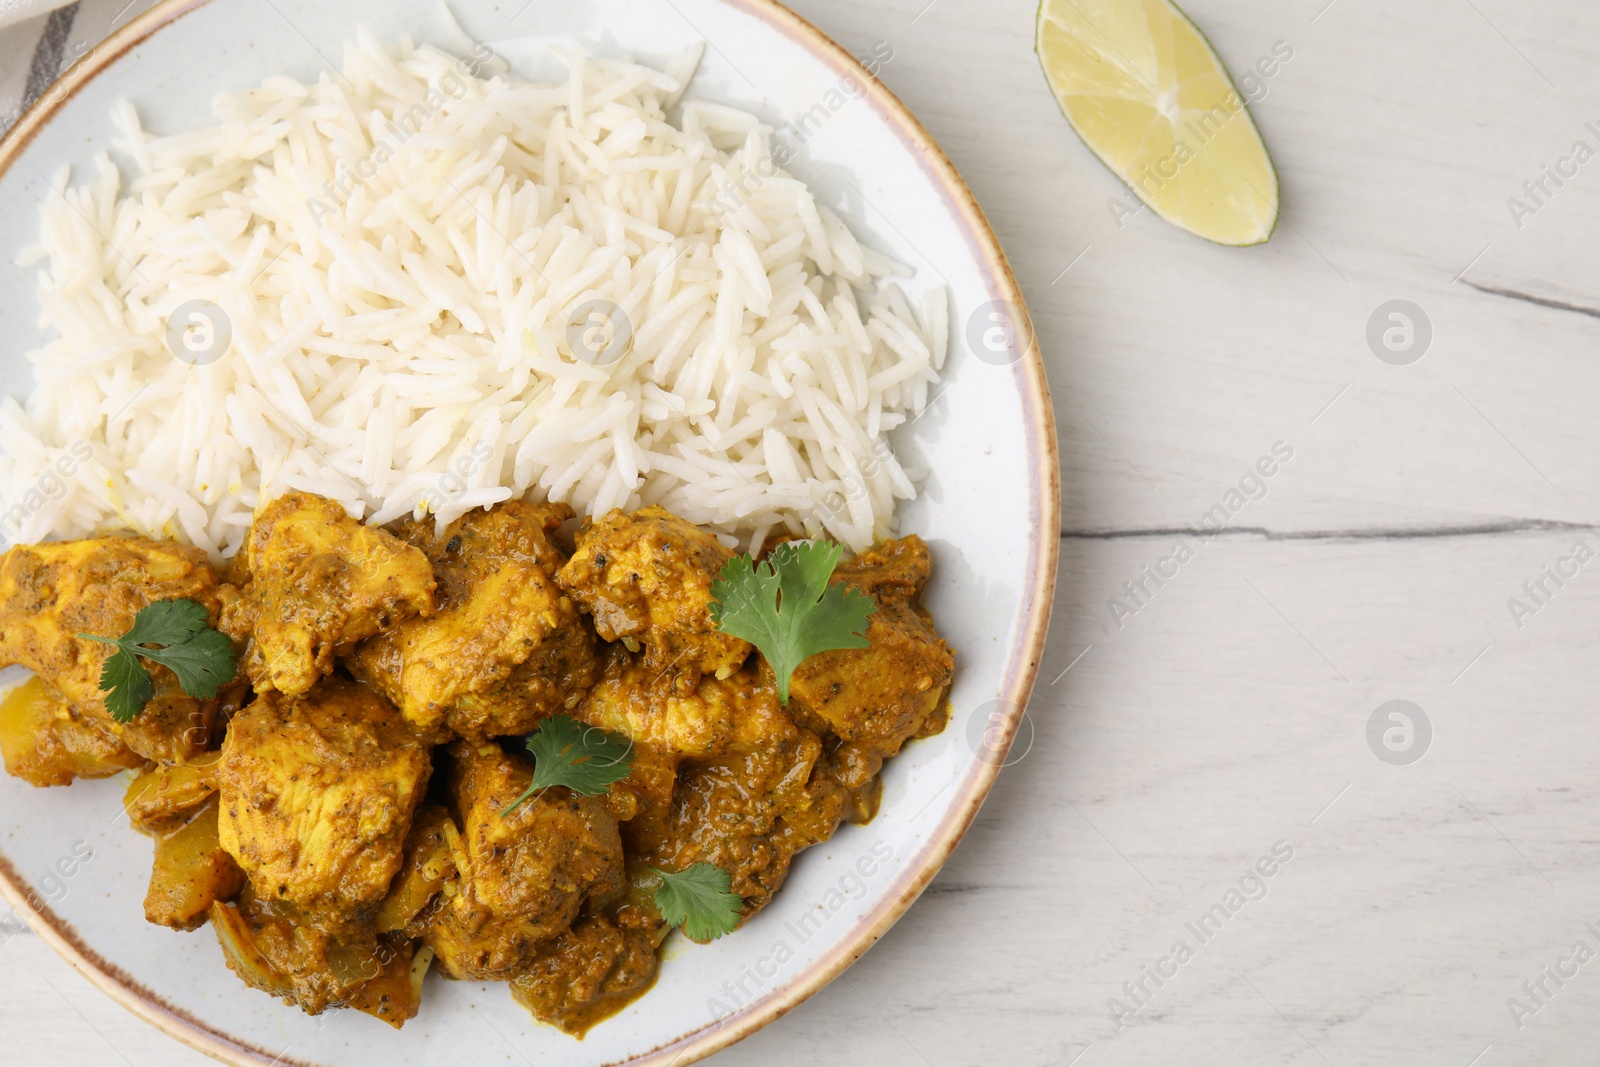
x=699 y=899
x=166 y=622
x=202 y=658
x=203 y=664
x=585 y=759
x=786 y=608
x=126 y=684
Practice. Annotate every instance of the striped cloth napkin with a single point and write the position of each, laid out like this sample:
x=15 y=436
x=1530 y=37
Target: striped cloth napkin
x=17 y=10
x=39 y=39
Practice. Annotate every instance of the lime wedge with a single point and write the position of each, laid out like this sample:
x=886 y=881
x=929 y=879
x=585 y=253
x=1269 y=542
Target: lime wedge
x=1147 y=94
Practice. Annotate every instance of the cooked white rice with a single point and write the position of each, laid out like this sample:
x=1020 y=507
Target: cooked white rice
x=400 y=337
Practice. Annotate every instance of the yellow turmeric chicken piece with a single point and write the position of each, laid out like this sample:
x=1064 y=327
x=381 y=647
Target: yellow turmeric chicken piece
x=317 y=798
x=50 y=593
x=523 y=877
x=736 y=714
x=748 y=814
x=665 y=724
x=593 y=970
x=746 y=789
x=506 y=646
x=877 y=698
x=320 y=582
x=646 y=578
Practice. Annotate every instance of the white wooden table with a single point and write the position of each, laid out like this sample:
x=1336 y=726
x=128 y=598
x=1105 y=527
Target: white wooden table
x=1230 y=714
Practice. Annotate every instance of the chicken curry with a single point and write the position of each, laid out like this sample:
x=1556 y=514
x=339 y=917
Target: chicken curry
x=354 y=806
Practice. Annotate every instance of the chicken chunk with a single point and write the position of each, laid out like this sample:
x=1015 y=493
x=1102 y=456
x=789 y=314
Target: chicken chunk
x=317 y=798
x=52 y=592
x=524 y=877
x=46 y=742
x=646 y=578
x=748 y=814
x=897 y=570
x=751 y=789
x=593 y=970
x=717 y=717
x=667 y=725
x=877 y=698
x=506 y=647
x=319 y=583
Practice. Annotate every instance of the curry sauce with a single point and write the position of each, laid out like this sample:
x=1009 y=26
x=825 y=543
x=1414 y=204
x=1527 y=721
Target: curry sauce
x=354 y=810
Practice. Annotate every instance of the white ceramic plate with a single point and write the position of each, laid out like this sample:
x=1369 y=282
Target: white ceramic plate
x=990 y=512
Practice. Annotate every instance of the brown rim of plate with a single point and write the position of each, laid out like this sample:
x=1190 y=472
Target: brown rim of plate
x=1017 y=683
